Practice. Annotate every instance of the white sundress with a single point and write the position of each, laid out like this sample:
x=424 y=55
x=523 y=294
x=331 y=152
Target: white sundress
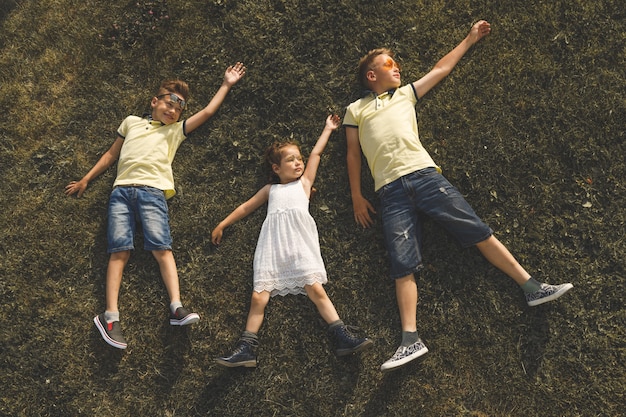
x=288 y=255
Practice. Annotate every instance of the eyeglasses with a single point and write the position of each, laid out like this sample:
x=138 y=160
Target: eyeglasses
x=390 y=64
x=174 y=100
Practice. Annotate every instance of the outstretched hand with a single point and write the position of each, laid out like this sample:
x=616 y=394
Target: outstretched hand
x=333 y=122
x=234 y=73
x=480 y=29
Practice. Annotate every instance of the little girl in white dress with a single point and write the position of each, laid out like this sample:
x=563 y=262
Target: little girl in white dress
x=287 y=259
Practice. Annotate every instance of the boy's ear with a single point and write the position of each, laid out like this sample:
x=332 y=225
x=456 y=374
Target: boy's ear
x=370 y=75
x=275 y=168
x=153 y=102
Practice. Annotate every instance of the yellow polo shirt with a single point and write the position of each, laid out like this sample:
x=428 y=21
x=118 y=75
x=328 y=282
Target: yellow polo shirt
x=147 y=153
x=388 y=134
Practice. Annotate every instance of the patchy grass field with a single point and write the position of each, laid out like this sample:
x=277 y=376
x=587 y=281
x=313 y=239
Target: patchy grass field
x=530 y=127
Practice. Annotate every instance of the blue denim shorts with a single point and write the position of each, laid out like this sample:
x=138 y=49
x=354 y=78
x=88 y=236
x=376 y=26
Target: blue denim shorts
x=143 y=205
x=406 y=201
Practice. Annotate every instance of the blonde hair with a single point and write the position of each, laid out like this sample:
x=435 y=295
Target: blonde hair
x=174 y=86
x=365 y=64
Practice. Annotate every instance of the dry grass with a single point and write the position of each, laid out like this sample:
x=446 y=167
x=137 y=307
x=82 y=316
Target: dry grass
x=529 y=126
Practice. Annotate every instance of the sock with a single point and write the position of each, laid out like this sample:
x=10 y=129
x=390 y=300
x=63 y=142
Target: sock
x=408 y=338
x=174 y=305
x=531 y=285
x=335 y=324
x=249 y=337
x=111 y=316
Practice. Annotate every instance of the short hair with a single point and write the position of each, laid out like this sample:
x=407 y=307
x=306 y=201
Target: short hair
x=273 y=156
x=174 y=86
x=365 y=64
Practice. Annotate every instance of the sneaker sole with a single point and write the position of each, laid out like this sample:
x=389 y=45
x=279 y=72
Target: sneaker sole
x=386 y=367
x=242 y=364
x=551 y=297
x=363 y=346
x=190 y=319
x=106 y=337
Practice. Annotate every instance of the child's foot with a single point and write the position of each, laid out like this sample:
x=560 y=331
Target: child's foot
x=111 y=332
x=243 y=355
x=347 y=342
x=404 y=355
x=547 y=293
x=183 y=317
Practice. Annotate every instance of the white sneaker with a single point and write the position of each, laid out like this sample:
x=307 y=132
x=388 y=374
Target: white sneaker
x=547 y=293
x=404 y=355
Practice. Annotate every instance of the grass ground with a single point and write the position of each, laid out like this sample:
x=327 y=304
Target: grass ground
x=530 y=127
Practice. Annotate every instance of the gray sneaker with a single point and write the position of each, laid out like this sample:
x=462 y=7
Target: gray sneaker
x=547 y=293
x=110 y=332
x=404 y=355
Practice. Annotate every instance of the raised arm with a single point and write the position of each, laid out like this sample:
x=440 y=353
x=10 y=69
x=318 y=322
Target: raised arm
x=310 y=171
x=233 y=74
x=105 y=161
x=362 y=208
x=449 y=61
x=240 y=212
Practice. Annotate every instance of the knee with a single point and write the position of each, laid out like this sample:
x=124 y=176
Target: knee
x=260 y=298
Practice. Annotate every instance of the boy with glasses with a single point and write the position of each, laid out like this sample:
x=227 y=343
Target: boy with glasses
x=383 y=125
x=145 y=148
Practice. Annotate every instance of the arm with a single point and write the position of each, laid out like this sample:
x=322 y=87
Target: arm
x=448 y=62
x=308 y=177
x=362 y=208
x=102 y=165
x=233 y=74
x=240 y=212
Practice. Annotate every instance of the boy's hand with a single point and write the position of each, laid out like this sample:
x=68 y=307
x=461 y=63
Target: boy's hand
x=234 y=73
x=216 y=236
x=480 y=29
x=76 y=187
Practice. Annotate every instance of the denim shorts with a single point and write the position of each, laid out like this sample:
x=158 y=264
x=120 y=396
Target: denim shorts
x=405 y=202
x=143 y=205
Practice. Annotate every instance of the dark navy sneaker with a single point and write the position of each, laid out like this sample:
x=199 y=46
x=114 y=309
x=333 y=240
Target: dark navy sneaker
x=183 y=317
x=547 y=293
x=404 y=355
x=243 y=355
x=111 y=332
x=346 y=342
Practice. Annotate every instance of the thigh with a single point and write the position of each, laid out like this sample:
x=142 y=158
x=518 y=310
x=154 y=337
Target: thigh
x=402 y=229
x=154 y=217
x=120 y=221
x=443 y=202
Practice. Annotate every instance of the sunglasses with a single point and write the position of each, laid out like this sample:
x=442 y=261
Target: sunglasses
x=390 y=64
x=174 y=100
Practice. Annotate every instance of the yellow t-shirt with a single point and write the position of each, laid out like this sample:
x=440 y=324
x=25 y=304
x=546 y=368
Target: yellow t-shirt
x=147 y=153
x=388 y=134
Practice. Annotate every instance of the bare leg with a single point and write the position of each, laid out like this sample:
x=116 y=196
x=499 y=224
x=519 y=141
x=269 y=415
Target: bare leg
x=406 y=296
x=317 y=294
x=500 y=257
x=169 y=274
x=257 y=311
x=115 y=269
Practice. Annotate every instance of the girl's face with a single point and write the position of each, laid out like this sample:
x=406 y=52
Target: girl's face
x=291 y=164
x=167 y=108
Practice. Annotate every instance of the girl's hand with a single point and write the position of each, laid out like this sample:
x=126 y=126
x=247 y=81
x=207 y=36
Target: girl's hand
x=333 y=122
x=234 y=73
